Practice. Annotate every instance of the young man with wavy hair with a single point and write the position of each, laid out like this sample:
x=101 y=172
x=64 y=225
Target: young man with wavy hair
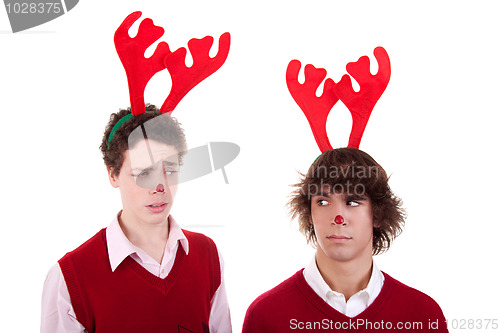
x=347 y=210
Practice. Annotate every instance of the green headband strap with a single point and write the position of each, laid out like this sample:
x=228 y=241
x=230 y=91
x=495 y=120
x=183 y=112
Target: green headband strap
x=119 y=124
x=319 y=156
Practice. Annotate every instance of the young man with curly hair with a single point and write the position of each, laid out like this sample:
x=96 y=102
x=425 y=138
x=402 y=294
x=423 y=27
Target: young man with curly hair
x=347 y=210
x=142 y=273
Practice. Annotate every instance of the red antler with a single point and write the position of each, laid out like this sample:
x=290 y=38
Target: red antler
x=184 y=78
x=139 y=70
x=361 y=103
x=316 y=109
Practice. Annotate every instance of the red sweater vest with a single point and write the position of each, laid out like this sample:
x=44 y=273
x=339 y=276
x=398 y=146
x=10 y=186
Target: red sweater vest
x=131 y=299
x=293 y=306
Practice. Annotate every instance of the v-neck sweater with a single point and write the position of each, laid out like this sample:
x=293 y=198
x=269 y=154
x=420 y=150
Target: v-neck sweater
x=294 y=306
x=131 y=299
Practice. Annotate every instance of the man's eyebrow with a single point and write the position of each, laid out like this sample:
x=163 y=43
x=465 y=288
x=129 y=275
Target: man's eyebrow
x=143 y=169
x=170 y=163
x=356 y=197
x=322 y=193
x=152 y=167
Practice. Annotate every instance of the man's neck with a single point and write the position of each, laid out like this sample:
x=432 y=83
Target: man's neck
x=347 y=277
x=150 y=238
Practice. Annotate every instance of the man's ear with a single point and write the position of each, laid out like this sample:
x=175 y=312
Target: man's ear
x=113 y=179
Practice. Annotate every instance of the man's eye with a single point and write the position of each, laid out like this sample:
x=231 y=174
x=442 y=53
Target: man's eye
x=322 y=202
x=143 y=174
x=352 y=203
x=170 y=172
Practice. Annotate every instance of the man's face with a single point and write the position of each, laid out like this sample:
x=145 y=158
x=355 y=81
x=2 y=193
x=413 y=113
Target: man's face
x=148 y=181
x=347 y=241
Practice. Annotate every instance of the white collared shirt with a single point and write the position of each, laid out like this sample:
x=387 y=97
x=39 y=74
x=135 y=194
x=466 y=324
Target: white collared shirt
x=58 y=315
x=124 y=248
x=357 y=303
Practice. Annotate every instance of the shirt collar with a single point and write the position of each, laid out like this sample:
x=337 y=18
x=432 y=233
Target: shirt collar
x=318 y=284
x=176 y=235
x=119 y=247
x=375 y=284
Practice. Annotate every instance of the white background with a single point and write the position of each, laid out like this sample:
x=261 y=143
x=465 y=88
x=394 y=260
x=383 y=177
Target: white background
x=435 y=130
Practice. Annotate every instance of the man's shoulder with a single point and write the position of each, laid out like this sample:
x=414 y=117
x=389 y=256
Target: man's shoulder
x=91 y=245
x=277 y=295
x=405 y=292
x=197 y=237
x=202 y=247
x=273 y=310
x=198 y=240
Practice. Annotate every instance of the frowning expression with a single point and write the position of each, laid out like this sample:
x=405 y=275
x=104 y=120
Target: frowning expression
x=147 y=181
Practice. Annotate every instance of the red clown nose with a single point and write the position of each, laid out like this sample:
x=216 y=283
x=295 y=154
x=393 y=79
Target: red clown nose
x=160 y=188
x=339 y=219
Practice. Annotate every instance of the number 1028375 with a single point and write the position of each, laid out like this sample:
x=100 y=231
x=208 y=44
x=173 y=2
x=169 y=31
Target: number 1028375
x=34 y=8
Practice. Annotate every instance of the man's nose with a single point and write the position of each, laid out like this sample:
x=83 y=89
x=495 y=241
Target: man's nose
x=159 y=180
x=162 y=182
x=337 y=214
x=160 y=188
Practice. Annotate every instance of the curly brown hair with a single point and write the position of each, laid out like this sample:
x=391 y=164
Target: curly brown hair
x=350 y=169
x=166 y=130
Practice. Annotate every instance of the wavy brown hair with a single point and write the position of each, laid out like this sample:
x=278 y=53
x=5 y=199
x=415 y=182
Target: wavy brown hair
x=349 y=169
x=165 y=129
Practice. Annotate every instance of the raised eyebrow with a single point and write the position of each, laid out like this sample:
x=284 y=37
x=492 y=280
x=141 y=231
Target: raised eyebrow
x=151 y=167
x=170 y=163
x=142 y=169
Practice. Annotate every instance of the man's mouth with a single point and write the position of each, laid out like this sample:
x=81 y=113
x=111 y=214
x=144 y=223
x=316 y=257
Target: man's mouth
x=157 y=205
x=338 y=238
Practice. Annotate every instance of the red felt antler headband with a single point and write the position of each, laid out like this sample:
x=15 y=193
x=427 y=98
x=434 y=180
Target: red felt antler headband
x=140 y=70
x=360 y=104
